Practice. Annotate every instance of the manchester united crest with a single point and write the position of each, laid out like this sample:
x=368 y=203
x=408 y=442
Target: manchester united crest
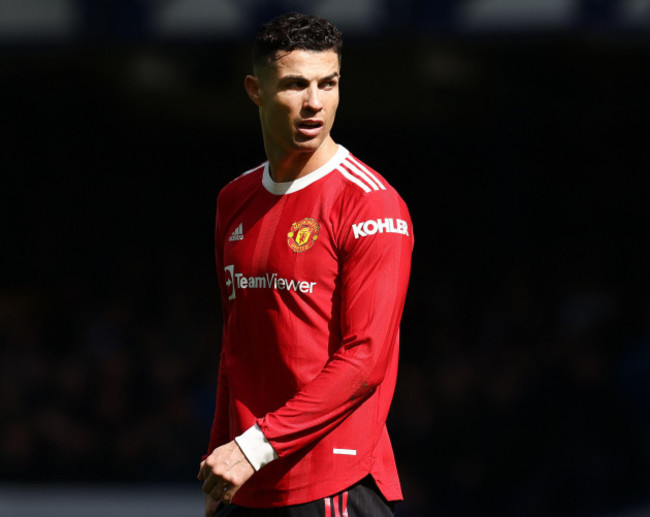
x=303 y=235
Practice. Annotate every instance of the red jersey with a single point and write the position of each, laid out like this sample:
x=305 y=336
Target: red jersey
x=313 y=276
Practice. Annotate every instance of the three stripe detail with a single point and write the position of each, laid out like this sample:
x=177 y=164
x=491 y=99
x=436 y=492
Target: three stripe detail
x=353 y=170
x=337 y=505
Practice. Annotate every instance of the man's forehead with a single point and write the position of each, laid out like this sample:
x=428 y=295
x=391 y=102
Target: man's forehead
x=304 y=63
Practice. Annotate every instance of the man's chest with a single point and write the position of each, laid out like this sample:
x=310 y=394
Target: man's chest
x=288 y=243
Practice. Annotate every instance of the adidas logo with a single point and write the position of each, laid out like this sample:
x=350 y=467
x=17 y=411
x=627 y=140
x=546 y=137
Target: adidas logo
x=238 y=234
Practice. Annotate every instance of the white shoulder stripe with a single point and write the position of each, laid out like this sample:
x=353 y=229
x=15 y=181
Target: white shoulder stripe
x=353 y=179
x=366 y=171
x=359 y=172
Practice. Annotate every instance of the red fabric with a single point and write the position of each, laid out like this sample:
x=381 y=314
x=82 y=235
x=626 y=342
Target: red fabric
x=311 y=328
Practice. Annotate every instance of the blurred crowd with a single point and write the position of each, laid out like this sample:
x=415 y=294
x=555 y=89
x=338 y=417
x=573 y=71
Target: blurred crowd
x=525 y=399
x=114 y=389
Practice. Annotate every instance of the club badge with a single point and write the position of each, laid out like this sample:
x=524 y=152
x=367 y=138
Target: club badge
x=303 y=235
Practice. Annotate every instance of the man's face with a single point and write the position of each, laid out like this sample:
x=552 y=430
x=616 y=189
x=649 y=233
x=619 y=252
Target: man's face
x=298 y=96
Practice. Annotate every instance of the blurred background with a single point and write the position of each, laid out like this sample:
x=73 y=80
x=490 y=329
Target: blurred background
x=517 y=132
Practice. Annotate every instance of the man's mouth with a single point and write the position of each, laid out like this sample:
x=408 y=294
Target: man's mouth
x=310 y=124
x=310 y=128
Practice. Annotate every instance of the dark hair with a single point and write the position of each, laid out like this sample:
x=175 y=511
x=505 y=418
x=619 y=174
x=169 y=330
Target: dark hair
x=294 y=31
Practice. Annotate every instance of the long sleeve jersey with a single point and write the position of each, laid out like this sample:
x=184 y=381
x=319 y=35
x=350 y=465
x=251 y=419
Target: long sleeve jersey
x=313 y=276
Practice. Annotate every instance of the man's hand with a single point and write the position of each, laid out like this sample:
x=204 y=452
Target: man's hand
x=223 y=473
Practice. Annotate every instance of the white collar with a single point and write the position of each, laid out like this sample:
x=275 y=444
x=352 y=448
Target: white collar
x=289 y=187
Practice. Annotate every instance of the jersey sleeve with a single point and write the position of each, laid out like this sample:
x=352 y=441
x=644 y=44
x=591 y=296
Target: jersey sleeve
x=219 y=433
x=375 y=246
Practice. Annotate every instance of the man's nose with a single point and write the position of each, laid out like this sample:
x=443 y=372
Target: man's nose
x=313 y=100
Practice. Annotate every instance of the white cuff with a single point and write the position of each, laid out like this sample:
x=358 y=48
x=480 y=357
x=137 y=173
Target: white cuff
x=256 y=447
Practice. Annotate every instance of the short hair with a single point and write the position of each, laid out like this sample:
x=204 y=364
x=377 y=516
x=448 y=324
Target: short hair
x=295 y=31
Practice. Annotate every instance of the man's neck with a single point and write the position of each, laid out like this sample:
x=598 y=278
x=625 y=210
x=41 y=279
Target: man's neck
x=289 y=166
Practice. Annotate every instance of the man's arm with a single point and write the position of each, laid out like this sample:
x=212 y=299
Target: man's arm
x=219 y=433
x=374 y=277
x=222 y=469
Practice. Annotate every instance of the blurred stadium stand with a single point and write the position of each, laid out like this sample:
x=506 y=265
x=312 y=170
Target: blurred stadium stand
x=47 y=20
x=517 y=132
x=39 y=19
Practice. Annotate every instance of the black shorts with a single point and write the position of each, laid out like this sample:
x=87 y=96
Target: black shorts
x=362 y=499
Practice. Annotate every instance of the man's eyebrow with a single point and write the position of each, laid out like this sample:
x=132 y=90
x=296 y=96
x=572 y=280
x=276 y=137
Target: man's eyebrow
x=331 y=76
x=302 y=78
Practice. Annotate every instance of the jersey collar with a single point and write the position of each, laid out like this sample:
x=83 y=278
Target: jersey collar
x=289 y=187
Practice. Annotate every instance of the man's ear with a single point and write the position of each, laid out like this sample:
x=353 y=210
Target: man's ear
x=252 y=85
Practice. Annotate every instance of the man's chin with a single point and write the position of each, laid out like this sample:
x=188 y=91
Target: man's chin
x=307 y=144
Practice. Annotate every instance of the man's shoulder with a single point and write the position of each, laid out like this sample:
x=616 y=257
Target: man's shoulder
x=363 y=181
x=243 y=181
x=369 y=205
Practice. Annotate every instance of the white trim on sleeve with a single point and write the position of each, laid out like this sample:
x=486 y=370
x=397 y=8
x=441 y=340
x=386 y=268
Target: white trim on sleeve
x=256 y=447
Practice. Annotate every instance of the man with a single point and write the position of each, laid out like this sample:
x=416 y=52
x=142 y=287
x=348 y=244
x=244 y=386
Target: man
x=313 y=256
